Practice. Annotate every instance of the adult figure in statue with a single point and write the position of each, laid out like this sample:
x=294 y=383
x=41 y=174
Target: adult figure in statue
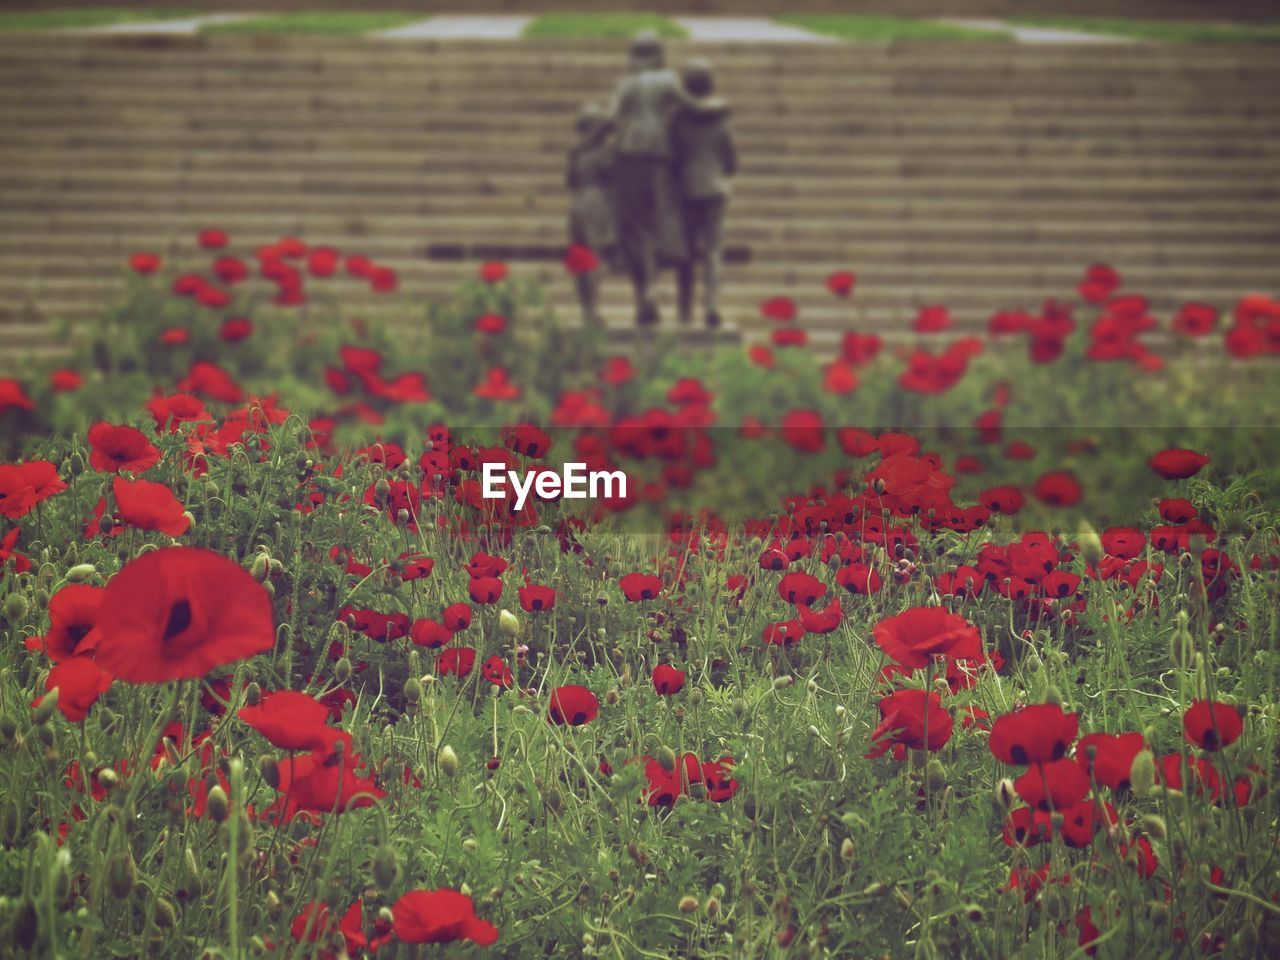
x=650 y=225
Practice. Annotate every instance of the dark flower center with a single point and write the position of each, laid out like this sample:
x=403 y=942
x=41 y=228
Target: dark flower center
x=1019 y=753
x=579 y=718
x=179 y=620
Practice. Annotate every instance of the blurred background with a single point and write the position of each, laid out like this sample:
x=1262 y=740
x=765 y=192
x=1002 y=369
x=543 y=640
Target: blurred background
x=967 y=153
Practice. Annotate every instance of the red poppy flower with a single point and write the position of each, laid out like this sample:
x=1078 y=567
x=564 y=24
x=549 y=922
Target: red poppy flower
x=617 y=371
x=915 y=719
x=13 y=396
x=179 y=612
x=579 y=259
x=73 y=621
x=785 y=633
x=804 y=431
x=918 y=634
x=315 y=923
x=789 y=337
x=144 y=263
x=484 y=590
x=440 y=916
x=1195 y=319
x=456 y=617
x=80 y=682
x=496 y=385
x=235 y=329
x=1109 y=757
x=323 y=261
x=430 y=633
x=1053 y=785
x=172 y=411
x=293 y=721
x=212 y=238
x=860 y=578
x=1100 y=281
x=932 y=319
x=1058 y=488
x=457 y=661
x=116 y=448
x=65 y=380
x=493 y=271
x=1177 y=463
x=667 y=680
x=841 y=283
x=324 y=782
x=536 y=598
x=496 y=671
x=24 y=485
x=1211 y=725
x=1034 y=734
x=1123 y=542
x=9 y=555
x=149 y=506
x=761 y=356
x=820 y=621
x=839 y=378
x=640 y=586
x=798 y=587
x=778 y=309
x=491 y=324
x=572 y=705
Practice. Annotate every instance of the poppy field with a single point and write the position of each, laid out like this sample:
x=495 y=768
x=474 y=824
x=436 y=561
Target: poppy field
x=961 y=643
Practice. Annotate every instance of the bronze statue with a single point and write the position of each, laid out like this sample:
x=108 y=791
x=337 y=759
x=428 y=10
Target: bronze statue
x=705 y=159
x=650 y=181
x=591 y=216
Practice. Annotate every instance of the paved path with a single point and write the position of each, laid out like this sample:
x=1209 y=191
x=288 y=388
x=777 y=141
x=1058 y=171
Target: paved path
x=460 y=28
x=187 y=25
x=747 y=30
x=1026 y=34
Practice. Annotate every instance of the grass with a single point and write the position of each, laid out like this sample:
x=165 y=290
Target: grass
x=601 y=26
x=15 y=21
x=319 y=22
x=1167 y=31
x=866 y=28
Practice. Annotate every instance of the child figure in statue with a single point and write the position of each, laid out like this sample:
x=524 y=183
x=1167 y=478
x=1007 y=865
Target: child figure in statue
x=591 y=217
x=705 y=159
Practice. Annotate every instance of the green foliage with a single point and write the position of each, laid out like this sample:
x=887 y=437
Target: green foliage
x=318 y=22
x=871 y=28
x=1164 y=31
x=81 y=17
x=601 y=26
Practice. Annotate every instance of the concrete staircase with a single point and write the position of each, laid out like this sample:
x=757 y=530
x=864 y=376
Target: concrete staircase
x=980 y=176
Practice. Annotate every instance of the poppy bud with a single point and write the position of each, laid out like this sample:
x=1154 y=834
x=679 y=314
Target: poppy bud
x=780 y=683
x=935 y=774
x=260 y=569
x=695 y=697
x=712 y=907
x=611 y=697
x=386 y=866
x=1004 y=796
x=107 y=778
x=106 y=524
x=8 y=729
x=25 y=924
x=1142 y=773
x=508 y=624
x=688 y=904
x=270 y=771
x=667 y=757
x=846 y=850
x=216 y=804
x=342 y=670
x=121 y=875
x=1154 y=826
x=1090 y=544
x=382 y=491
x=413 y=691
x=553 y=800
x=448 y=761
x=974 y=913
x=1055 y=905
x=470 y=845
x=1053 y=695
x=48 y=703
x=1182 y=647
x=81 y=572
x=739 y=707
x=15 y=607
x=10 y=823
x=166 y=914
x=252 y=694
x=875 y=889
